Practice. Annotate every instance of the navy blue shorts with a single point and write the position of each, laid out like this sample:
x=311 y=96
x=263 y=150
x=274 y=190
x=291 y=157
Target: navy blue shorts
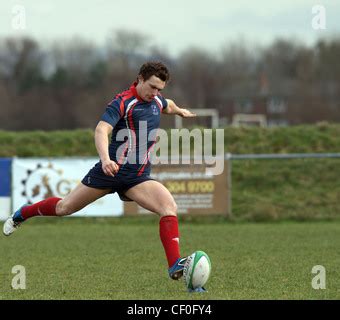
x=120 y=183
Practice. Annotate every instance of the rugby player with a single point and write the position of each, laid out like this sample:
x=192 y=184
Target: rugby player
x=124 y=165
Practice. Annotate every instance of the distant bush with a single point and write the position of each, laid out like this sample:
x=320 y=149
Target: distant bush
x=296 y=139
x=47 y=143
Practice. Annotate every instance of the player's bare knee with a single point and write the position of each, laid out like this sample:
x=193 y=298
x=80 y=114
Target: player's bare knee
x=170 y=209
x=63 y=209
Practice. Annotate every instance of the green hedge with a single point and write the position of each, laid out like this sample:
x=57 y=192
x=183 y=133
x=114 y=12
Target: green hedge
x=47 y=144
x=319 y=138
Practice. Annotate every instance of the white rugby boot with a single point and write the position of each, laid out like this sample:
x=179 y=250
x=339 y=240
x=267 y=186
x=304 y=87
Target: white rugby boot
x=13 y=222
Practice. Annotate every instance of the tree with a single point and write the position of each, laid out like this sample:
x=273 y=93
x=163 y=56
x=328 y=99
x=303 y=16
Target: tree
x=197 y=76
x=21 y=63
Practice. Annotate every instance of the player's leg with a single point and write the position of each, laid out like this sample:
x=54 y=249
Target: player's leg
x=77 y=199
x=155 y=197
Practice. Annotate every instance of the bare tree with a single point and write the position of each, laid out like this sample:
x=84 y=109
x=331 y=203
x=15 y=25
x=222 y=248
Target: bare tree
x=197 y=75
x=20 y=63
x=67 y=85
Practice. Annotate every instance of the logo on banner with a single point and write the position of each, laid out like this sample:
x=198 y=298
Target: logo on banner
x=44 y=182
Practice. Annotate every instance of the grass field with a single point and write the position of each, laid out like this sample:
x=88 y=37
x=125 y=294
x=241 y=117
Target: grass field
x=75 y=258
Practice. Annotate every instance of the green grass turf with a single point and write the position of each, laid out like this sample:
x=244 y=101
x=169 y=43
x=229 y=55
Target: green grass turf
x=75 y=258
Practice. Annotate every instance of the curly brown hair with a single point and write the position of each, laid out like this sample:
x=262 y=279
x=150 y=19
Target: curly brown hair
x=154 y=68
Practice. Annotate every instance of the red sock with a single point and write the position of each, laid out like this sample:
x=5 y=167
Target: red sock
x=42 y=208
x=168 y=231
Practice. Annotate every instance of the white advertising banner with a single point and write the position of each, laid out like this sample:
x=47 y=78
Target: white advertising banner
x=35 y=179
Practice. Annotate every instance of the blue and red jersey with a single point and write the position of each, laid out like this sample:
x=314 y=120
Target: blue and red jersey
x=135 y=123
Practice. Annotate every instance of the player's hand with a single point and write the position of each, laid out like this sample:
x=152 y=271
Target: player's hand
x=185 y=113
x=110 y=167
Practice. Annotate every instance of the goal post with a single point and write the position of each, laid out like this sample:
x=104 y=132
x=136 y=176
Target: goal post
x=249 y=119
x=212 y=113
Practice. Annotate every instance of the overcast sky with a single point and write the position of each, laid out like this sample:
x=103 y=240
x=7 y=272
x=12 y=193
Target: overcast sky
x=173 y=25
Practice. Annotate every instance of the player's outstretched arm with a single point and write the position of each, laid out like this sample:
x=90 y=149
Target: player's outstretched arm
x=172 y=108
x=101 y=137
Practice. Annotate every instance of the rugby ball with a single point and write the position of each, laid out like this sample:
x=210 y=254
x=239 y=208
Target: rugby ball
x=197 y=270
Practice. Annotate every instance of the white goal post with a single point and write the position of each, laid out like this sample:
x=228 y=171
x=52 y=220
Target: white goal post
x=249 y=119
x=213 y=113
